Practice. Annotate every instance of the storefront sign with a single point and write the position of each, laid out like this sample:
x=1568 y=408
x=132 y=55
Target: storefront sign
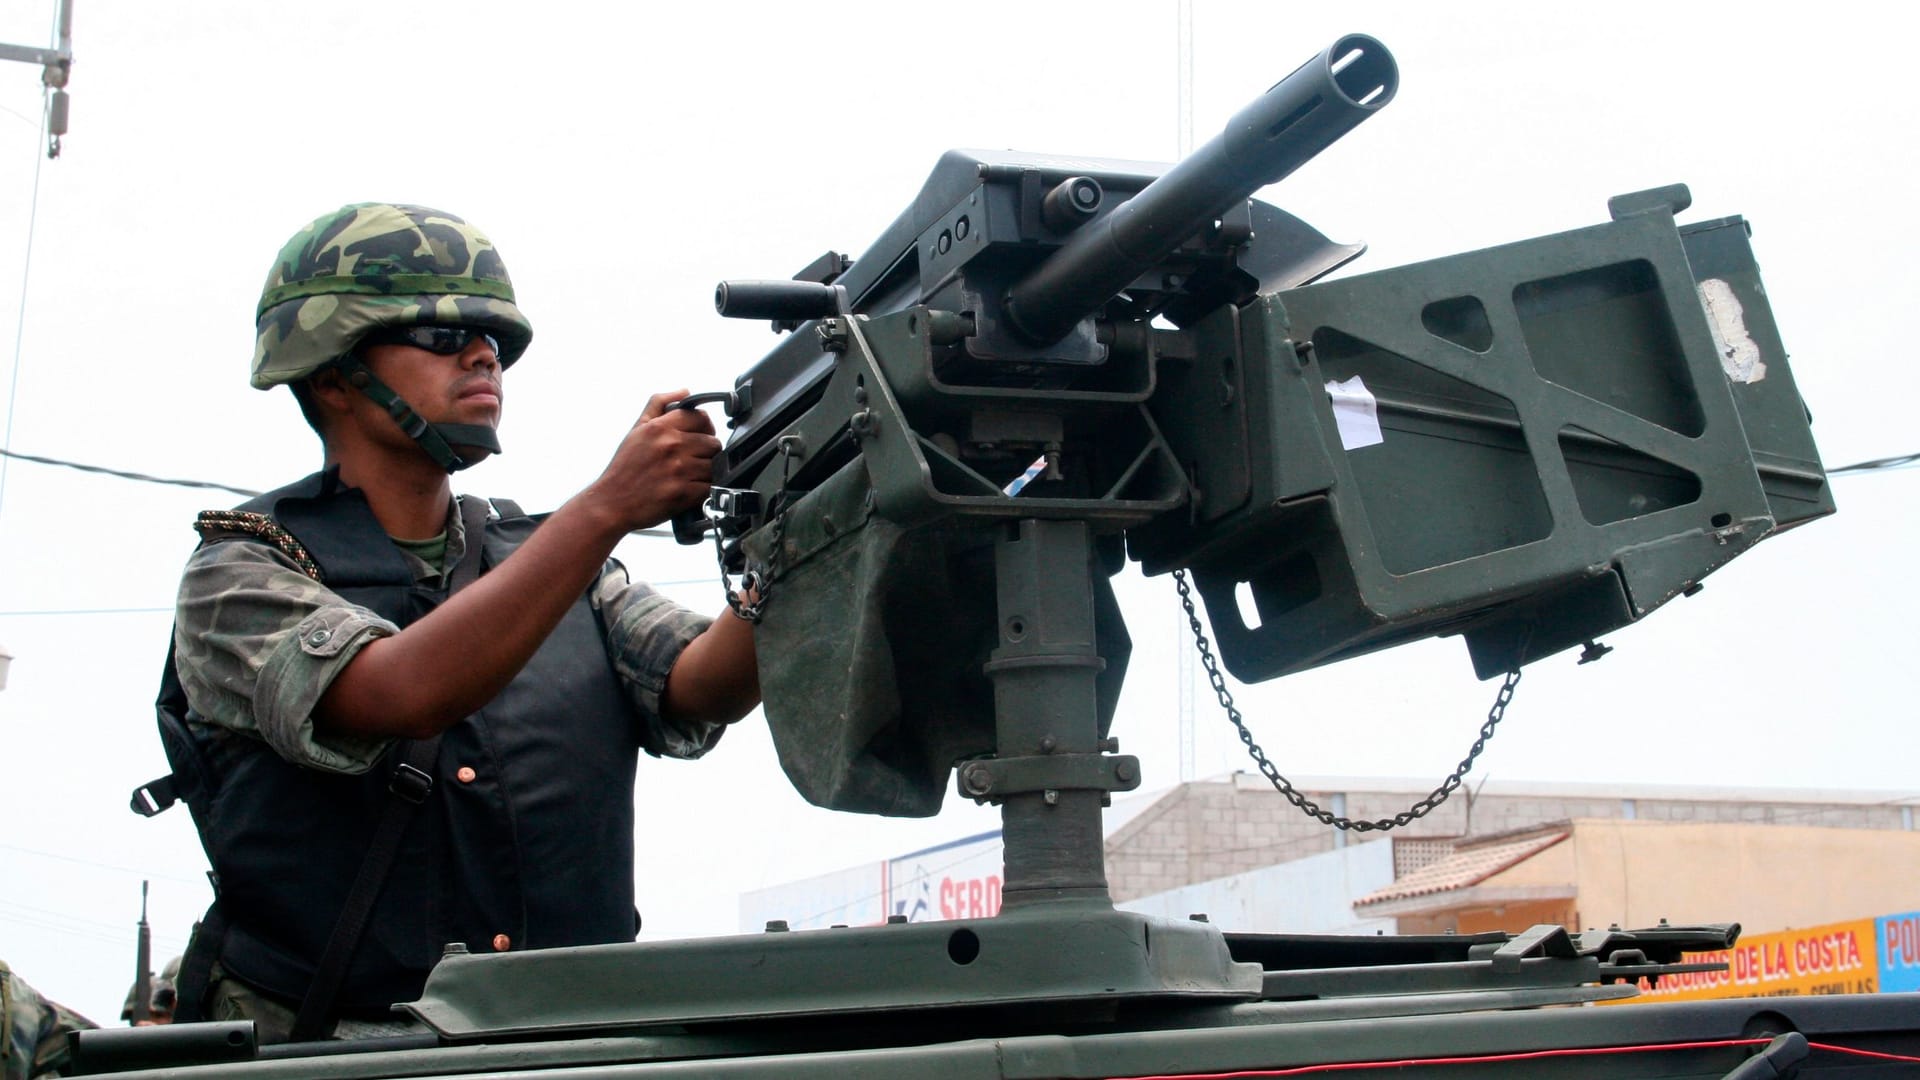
x=1838 y=958
x=1898 y=945
x=960 y=880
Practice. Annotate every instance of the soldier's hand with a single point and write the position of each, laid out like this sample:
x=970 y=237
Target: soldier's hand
x=664 y=464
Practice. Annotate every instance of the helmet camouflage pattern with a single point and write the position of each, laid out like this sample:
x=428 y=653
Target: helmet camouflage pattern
x=372 y=265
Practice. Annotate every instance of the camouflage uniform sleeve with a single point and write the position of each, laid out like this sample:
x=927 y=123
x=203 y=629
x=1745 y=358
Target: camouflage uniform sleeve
x=19 y=1026
x=33 y=1030
x=645 y=633
x=258 y=642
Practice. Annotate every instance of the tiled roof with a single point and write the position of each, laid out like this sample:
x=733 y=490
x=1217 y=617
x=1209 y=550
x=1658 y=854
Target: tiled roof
x=1464 y=868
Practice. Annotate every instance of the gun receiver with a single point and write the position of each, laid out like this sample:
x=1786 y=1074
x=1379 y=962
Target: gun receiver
x=1039 y=273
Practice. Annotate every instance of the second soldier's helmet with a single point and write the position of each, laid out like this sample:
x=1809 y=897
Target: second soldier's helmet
x=162 y=996
x=369 y=266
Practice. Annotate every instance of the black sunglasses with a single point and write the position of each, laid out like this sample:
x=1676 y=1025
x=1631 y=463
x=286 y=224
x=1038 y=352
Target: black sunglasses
x=439 y=340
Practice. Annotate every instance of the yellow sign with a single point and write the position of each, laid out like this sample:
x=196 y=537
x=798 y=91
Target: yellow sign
x=1837 y=958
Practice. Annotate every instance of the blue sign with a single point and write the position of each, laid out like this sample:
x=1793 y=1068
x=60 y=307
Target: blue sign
x=1897 y=939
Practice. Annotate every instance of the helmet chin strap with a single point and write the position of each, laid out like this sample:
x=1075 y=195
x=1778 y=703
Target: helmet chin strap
x=438 y=440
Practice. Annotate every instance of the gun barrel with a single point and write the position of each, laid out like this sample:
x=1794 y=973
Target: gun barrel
x=140 y=1001
x=1264 y=143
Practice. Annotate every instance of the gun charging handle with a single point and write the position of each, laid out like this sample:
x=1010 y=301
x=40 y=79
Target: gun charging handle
x=736 y=402
x=787 y=304
x=690 y=525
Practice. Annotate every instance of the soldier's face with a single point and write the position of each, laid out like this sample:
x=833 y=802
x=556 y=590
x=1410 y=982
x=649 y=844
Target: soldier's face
x=461 y=387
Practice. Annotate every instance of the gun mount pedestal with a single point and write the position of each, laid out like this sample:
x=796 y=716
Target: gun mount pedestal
x=1052 y=773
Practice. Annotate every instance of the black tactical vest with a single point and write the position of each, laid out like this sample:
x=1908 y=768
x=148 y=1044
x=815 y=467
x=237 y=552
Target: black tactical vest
x=535 y=850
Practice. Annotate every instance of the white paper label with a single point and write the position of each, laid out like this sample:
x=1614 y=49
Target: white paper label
x=1355 y=413
x=1739 y=356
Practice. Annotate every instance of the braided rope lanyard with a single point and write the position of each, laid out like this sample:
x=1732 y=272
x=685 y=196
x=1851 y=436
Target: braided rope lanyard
x=213 y=523
x=1285 y=787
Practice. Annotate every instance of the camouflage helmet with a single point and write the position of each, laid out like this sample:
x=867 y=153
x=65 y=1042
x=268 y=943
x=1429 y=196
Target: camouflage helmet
x=161 y=994
x=372 y=265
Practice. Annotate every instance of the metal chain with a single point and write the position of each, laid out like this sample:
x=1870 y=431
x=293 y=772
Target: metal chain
x=758 y=582
x=1285 y=787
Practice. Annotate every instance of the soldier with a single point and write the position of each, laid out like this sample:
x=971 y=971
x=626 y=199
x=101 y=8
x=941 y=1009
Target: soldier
x=160 y=998
x=33 y=1030
x=360 y=643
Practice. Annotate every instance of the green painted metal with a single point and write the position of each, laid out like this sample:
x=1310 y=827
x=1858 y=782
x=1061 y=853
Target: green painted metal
x=1012 y=960
x=597 y=1016
x=1046 y=365
x=1563 y=452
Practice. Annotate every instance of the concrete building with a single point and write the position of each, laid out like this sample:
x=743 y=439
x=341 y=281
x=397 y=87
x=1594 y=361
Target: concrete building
x=1505 y=856
x=1216 y=829
x=1595 y=872
x=1310 y=895
x=1825 y=885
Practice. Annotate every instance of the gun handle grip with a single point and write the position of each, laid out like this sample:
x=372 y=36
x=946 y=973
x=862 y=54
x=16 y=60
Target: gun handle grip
x=690 y=526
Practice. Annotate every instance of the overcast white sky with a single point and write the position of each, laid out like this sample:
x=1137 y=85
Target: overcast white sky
x=625 y=158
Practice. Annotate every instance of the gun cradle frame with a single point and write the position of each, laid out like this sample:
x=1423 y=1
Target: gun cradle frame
x=1566 y=440
x=1570 y=436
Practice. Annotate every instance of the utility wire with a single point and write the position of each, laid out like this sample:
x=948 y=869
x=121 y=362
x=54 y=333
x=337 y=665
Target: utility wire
x=121 y=473
x=67 y=922
x=48 y=612
x=26 y=273
x=1895 y=462
x=88 y=611
x=130 y=871
x=1876 y=463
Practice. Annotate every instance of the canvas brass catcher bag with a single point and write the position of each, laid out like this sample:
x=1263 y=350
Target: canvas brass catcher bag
x=872 y=645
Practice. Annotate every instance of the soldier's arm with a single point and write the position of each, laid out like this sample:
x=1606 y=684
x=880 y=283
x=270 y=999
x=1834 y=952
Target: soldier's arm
x=688 y=676
x=257 y=641
x=716 y=679
x=424 y=679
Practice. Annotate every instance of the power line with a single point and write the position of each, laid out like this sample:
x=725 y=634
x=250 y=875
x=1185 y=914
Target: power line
x=130 y=871
x=651 y=534
x=77 y=925
x=1876 y=463
x=86 y=611
x=122 y=473
x=1895 y=462
x=20 y=322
